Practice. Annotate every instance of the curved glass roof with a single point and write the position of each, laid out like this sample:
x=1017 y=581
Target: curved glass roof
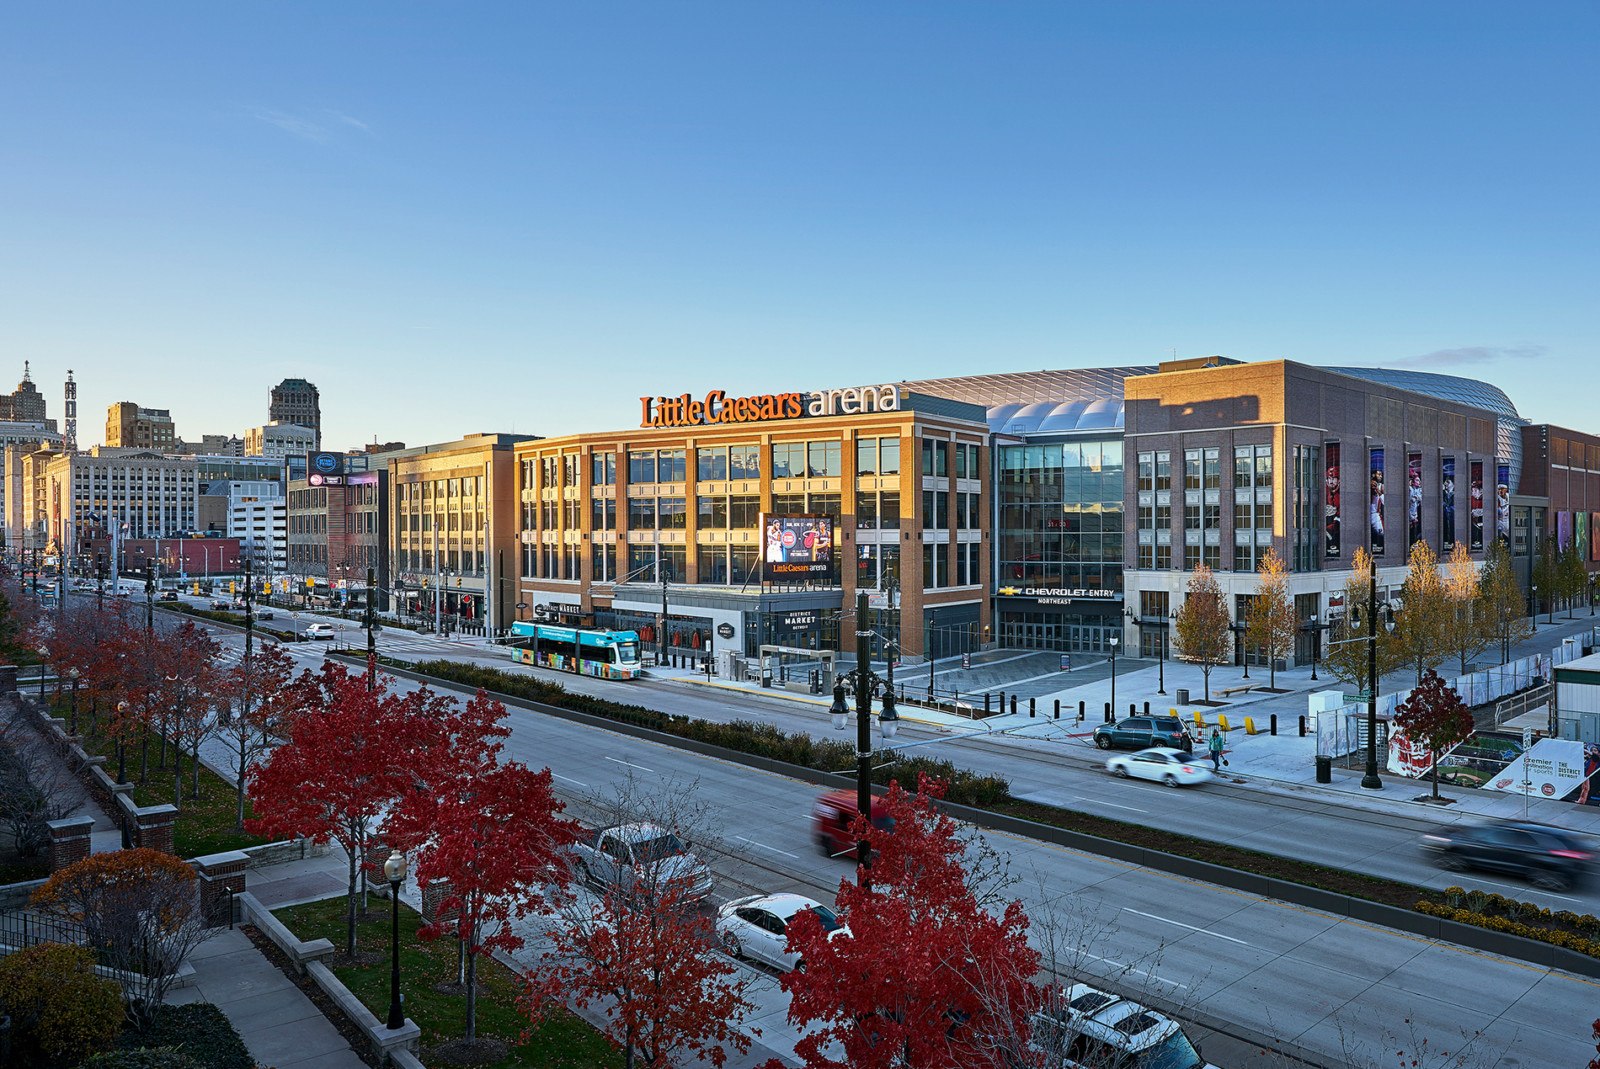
x=1059 y=401
x=1445 y=387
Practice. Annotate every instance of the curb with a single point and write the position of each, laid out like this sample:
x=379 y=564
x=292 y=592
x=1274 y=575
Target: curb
x=1545 y=955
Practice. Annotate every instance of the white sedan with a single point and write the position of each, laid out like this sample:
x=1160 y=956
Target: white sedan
x=319 y=630
x=757 y=926
x=1163 y=764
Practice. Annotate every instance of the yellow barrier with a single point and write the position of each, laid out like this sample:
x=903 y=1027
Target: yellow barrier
x=1249 y=725
x=1199 y=721
x=1222 y=722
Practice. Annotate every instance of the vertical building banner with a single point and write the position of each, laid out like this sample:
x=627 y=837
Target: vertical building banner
x=1594 y=536
x=1330 y=504
x=1447 y=503
x=1375 y=502
x=1580 y=537
x=1563 y=530
x=1413 y=498
x=1475 y=505
x=1502 y=502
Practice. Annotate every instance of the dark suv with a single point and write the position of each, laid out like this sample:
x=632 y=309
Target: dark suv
x=1143 y=732
x=1552 y=858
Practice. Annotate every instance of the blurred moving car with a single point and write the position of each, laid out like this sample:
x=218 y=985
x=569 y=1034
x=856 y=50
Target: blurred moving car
x=319 y=630
x=1548 y=857
x=1162 y=764
x=758 y=926
x=1139 y=732
x=265 y=614
x=220 y=605
x=168 y=595
x=832 y=816
x=1086 y=1028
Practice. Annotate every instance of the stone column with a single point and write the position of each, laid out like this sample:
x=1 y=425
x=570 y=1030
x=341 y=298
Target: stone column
x=221 y=877
x=69 y=841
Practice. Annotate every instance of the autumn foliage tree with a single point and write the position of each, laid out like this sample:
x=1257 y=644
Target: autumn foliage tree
x=1466 y=627
x=188 y=691
x=1434 y=716
x=1503 y=605
x=489 y=833
x=1270 y=621
x=1421 y=632
x=1347 y=655
x=930 y=977
x=350 y=754
x=140 y=909
x=1202 y=625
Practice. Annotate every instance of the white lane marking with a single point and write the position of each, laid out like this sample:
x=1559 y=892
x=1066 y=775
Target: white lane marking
x=1113 y=805
x=630 y=764
x=1529 y=890
x=1130 y=968
x=568 y=779
x=764 y=846
x=1180 y=924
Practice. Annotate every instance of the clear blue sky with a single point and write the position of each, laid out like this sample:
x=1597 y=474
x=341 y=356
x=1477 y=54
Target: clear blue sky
x=494 y=217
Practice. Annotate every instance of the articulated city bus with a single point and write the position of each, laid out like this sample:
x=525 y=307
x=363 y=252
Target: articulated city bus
x=606 y=654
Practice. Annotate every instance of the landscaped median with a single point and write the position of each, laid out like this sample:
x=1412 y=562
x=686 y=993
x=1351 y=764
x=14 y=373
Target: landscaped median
x=433 y=999
x=1517 y=931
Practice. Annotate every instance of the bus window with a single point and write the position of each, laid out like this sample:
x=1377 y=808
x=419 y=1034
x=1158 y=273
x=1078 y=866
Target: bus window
x=627 y=652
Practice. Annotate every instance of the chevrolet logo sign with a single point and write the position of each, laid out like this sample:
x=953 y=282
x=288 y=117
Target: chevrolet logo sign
x=1008 y=591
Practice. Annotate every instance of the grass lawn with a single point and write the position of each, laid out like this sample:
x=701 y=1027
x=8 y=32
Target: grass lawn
x=205 y=826
x=563 y=1042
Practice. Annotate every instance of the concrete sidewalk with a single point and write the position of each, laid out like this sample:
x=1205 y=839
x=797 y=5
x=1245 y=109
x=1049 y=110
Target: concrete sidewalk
x=279 y=1024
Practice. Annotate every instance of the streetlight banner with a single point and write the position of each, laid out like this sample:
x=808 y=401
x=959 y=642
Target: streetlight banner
x=1447 y=503
x=1375 y=502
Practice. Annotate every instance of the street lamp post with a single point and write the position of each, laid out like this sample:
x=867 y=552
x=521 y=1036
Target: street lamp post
x=44 y=655
x=1113 y=640
x=372 y=646
x=395 y=870
x=1370 y=779
x=122 y=753
x=1316 y=642
x=888 y=725
x=72 y=674
x=1161 y=666
x=1533 y=603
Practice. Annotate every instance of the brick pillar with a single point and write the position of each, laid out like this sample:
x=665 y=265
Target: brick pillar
x=221 y=877
x=152 y=826
x=433 y=894
x=69 y=841
x=8 y=680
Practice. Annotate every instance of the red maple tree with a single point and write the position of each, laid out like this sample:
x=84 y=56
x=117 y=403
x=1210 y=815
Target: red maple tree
x=188 y=689
x=1594 y=1034
x=349 y=755
x=1435 y=717
x=930 y=977
x=488 y=833
x=649 y=964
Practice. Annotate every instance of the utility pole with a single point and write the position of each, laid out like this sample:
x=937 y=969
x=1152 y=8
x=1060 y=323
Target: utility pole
x=249 y=610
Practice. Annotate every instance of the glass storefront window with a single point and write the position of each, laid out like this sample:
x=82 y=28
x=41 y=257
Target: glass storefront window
x=711 y=464
x=744 y=462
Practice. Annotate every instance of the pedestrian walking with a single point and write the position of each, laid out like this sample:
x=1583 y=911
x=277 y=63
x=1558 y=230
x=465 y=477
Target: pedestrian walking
x=1214 y=744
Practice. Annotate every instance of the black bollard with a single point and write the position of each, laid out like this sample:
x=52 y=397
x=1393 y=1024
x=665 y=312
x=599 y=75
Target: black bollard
x=1302 y=727
x=1058 y=709
x=1013 y=705
x=1108 y=712
x=1081 y=712
x=985 y=703
x=1133 y=709
x=1030 y=708
x=1273 y=727
x=1146 y=708
x=1002 y=703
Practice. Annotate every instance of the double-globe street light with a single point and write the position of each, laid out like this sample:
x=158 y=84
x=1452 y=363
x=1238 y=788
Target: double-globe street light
x=1164 y=623
x=865 y=681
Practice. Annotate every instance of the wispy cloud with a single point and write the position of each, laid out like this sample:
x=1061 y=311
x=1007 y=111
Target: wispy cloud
x=321 y=129
x=1472 y=354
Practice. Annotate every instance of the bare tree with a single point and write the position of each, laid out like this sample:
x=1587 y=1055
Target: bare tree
x=1502 y=602
x=258 y=700
x=36 y=786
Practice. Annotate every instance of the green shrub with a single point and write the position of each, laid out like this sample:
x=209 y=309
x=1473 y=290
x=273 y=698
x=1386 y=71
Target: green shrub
x=745 y=736
x=61 y=1012
x=142 y=1058
x=199 y=1030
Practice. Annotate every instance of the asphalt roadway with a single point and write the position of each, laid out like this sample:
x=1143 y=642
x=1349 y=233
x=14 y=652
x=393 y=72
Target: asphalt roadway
x=1323 y=983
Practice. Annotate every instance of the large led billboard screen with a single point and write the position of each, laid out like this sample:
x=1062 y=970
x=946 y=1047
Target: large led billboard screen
x=795 y=548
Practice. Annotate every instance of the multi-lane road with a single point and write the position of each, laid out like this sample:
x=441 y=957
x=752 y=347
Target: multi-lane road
x=1320 y=982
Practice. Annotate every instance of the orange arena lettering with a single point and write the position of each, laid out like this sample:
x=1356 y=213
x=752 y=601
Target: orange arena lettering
x=716 y=407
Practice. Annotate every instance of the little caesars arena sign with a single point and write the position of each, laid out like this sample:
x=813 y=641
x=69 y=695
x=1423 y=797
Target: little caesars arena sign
x=717 y=407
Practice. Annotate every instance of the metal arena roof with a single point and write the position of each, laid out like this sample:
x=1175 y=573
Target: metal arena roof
x=1062 y=401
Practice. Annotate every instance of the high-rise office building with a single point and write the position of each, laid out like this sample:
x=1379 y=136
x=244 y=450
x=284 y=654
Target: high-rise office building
x=130 y=426
x=296 y=401
x=26 y=403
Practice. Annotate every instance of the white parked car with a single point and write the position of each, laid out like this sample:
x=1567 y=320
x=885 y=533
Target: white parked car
x=1086 y=1028
x=319 y=630
x=1163 y=764
x=757 y=926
